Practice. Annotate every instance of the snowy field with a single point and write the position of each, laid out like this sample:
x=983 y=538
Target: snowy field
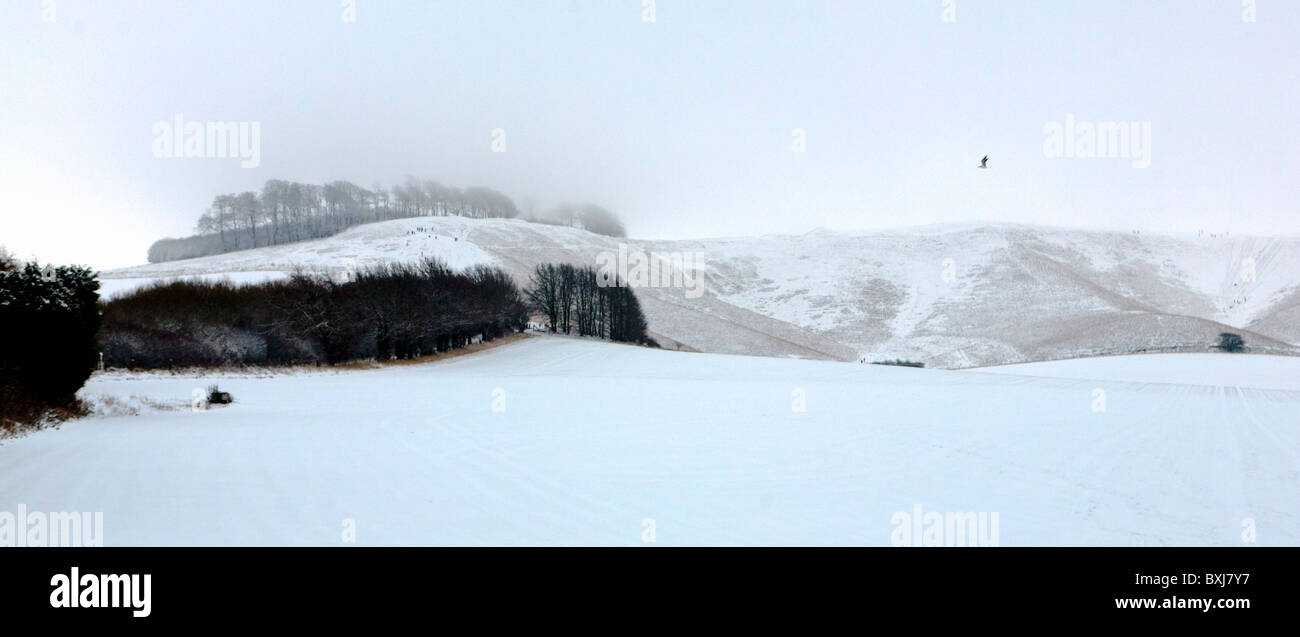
x=1228 y=370
x=592 y=440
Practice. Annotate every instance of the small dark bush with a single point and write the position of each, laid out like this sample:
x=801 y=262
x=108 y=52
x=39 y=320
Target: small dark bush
x=218 y=397
x=1230 y=342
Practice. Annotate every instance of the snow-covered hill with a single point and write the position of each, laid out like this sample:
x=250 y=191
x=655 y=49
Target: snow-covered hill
x=951 y=295
x=561 y=441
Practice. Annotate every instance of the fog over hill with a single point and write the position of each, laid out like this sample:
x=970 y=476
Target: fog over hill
x=950 y=296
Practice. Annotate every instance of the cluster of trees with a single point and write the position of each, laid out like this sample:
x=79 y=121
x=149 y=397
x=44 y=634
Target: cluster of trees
x=391 y=311
x=57 y=329
x=48 y=317
x=588 y=217
x=286 y=211
x=576 y=300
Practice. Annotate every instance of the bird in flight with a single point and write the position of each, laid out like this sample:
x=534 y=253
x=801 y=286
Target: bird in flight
x=984 y=163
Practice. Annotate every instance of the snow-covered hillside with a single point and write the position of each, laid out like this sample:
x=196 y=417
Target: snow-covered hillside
x=951 y=296
x=560 y=441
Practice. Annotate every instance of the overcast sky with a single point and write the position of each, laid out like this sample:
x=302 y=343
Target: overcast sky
x=686 y=126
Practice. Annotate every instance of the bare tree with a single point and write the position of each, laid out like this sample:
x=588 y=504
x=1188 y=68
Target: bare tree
x=250 y=211
x=544 y=293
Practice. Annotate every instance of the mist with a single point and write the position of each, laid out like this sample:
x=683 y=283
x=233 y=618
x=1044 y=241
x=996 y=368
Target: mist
x=686 y=119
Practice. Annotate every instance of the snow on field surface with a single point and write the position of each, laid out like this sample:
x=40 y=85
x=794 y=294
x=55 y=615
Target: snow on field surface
x=1218 y=370
x=951 y=296
x=596 y=438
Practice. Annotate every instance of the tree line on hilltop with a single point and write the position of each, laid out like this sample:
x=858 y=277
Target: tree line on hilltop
x=287 y=211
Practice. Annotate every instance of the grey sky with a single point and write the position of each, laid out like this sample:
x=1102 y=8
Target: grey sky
x=684 y=125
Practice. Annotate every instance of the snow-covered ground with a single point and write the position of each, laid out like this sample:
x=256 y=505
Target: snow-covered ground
x=952 y=296
x=1217 y=370
x=110 y=288
x=592 y=443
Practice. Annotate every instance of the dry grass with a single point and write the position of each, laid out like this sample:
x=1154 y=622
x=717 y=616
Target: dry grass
x=420 y=360
x=16 y=420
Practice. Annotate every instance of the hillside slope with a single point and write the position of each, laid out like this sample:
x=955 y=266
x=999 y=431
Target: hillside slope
x=951 y=296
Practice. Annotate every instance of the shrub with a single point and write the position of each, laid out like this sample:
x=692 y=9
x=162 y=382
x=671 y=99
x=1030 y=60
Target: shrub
x=385 y=312
x=900 y=363
x=50 y=317
x=1230 y=342
x=218 y=397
